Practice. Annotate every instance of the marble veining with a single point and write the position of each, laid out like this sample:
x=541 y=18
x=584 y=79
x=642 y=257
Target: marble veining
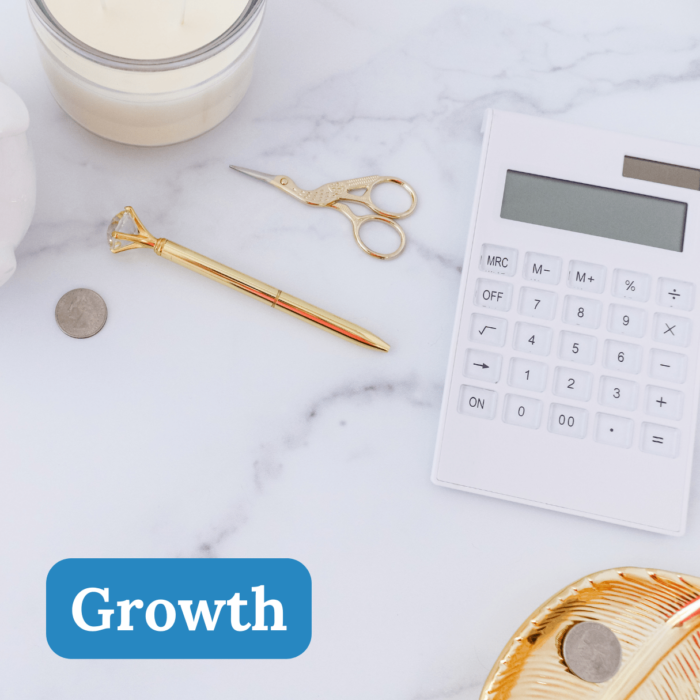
x=198 y=423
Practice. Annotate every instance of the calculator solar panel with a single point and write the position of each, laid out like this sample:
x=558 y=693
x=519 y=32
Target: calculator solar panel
x=571 y=382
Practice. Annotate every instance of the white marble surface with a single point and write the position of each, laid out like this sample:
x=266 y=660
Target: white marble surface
x=199 y=423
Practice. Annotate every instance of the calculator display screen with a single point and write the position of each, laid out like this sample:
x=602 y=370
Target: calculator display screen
x=597 y=211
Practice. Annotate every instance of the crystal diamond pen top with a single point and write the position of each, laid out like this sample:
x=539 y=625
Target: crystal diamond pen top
x=126 y=232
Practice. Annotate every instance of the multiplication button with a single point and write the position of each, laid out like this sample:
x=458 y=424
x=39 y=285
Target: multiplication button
x=488 y=330
x=614 y=430
x=482 y=365
x=631 y=285
x=493 y=294
x=542 y=268
x=523 y=411
x=664 y=403
x=660 y=440
x=567 y=420
x=586 y=276
x=676 y=294
x=474 y=401
x=672 y=330
x=499 y=260
x=668 y=366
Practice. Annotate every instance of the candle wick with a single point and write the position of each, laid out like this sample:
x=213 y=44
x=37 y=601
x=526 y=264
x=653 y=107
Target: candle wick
x=184 y=9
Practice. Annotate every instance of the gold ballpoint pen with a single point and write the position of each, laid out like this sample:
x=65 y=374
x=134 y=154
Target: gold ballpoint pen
x=126 y=232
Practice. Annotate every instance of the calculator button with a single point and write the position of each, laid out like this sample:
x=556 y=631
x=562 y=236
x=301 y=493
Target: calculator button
x=664 y=403
x=618 y=393
x=672 y=330
x=522 y=410
x=493 y=294
x=614 y=430
x=474 y=401
x=537 y=303
x=499 y=260
x=527 y=374
x=488 y=330
x=676 y=294
x=576 y=347
x=542 y=268
x=580 y=311
x=536 y=340
x=572 y=383
x=668 y=366
x=627 y=320
x=567 y=420
x=660 y=440
x=631 y=285
x=483 y=365
x=622 y=357
x=587 y=276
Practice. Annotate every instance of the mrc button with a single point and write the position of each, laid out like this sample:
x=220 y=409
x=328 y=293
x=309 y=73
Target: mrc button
x=495 y=258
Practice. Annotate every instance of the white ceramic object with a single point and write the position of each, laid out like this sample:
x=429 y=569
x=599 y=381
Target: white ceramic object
x=17 y=179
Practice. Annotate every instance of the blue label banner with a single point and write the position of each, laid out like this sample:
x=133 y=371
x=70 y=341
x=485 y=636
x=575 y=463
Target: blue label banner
x=178 y=608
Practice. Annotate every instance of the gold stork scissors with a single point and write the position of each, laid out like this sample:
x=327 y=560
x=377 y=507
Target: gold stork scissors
x=335 y=193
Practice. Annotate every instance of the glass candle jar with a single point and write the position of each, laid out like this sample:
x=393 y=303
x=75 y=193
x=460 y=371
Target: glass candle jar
x=150 y=102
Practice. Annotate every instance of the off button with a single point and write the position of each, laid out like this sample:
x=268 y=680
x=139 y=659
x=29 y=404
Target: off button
x=499 y=260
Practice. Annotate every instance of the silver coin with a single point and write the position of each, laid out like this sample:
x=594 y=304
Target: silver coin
x=81 y=313
x=592 y=652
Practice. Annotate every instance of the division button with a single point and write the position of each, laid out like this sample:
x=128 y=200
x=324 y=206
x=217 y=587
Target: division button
x=499 y=260
x=676 y=294
x=586 y=276
x=482 y=365
x=614 y=430
x=474 y=401
x=660 y=440
x=668 y=366
x=523 y=411
x=568 y=421
x=542 y=268
x=488 y=330
x=664 y=403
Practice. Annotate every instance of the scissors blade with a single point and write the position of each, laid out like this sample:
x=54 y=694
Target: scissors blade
x=254 y=173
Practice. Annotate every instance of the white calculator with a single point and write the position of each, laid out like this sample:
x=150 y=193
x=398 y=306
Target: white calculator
x=572 y=377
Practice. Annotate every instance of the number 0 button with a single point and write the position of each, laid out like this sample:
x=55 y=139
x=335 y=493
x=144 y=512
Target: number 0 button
x=568 y=421
x=522 y=410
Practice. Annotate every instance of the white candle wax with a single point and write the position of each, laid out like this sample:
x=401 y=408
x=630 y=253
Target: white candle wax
x=147 y=72
x=146 y=29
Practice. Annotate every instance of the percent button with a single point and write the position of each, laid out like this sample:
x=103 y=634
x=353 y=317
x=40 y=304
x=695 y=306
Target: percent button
x=629 y=284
